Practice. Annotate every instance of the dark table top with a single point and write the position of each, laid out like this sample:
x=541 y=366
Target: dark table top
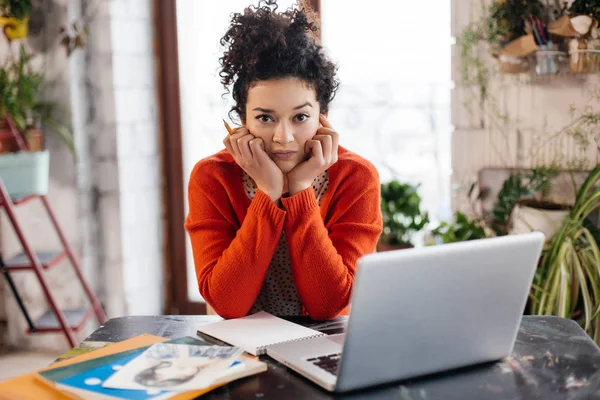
x=553 y=358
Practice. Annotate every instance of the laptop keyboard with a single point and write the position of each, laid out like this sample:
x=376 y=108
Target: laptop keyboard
x=328 y=363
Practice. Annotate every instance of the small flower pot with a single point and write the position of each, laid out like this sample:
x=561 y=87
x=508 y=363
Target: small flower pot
x=25 y=173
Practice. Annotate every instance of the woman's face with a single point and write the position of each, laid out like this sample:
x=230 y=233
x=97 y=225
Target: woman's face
x=284 y=113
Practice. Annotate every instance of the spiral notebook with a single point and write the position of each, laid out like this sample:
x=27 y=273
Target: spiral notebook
x=256 y=332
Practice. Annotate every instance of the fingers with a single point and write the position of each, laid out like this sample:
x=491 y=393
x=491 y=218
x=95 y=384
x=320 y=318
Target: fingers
x=335 y=137
x=315 y=149
x=227 y=143
x=257 y=147
x=326 y=144
x=233 y=139
x=243 y=144
x=323 y=120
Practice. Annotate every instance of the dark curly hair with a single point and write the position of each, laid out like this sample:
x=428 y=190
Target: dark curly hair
x=263 y=44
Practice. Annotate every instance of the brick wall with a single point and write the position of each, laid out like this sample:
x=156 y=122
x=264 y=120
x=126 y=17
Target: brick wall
x=134 y=83
x=109 y=201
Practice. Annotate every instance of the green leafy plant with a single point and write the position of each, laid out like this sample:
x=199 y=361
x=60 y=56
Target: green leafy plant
x=401 y=211
x=460 y=230
x=567 y=282
x=506 y=21
x=19 y=9
x=519 y=185
x=8 y=101
x=21 y=98
x=28 y=87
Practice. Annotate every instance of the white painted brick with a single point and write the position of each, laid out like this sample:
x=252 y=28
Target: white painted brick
x=115 y=292
x=466 y=111
x=100 y=8
x=104 y=105
x=111 y=234
x=130 y=36
x=150 y=212
x=460 y=16
x=135 y=105
x=99 y=40
x=145 y=300
x=119 y=9
x=141 y=9
x=131 y=9
x=105 y=140
x=99 y=72
x=147 y=139
x=455 y=74
x=133 y=70
x=127 y=105
x=127 y=175
x=127 y=142
x=151 y=168
x=107 y=175
x=139 y=173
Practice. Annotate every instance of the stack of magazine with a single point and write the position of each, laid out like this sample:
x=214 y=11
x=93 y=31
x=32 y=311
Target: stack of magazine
x=144 y=367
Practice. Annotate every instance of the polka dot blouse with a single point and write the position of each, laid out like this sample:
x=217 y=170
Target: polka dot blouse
x=278 y=294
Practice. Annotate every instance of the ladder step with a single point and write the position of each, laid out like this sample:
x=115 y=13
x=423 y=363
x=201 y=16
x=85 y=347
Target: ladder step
x=76 y=319
x=20 y=262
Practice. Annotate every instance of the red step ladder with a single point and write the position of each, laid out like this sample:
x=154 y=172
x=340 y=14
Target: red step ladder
x=54 y=320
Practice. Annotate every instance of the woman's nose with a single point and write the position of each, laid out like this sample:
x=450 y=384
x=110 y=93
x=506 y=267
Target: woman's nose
x=283 y=134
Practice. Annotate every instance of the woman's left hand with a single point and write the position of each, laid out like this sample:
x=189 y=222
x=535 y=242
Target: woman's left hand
x=323 y=153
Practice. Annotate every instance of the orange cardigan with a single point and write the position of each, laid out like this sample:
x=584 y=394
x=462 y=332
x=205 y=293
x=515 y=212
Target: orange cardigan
x=234 y=238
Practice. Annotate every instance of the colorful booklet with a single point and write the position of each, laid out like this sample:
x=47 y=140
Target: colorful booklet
x=174 y=367
x=86 y=379
x=31 y=386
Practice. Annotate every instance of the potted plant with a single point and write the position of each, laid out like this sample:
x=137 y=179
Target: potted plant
x=523 y=206
x=22 y=88
x=568 y=279
x=14 y=18
x=23 y=113
x=402 y=215
x=462 y=229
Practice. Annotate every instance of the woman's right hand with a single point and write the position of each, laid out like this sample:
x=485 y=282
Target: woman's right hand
x=249 y=153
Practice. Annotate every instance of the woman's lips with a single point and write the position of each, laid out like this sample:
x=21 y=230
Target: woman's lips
x=284 y=155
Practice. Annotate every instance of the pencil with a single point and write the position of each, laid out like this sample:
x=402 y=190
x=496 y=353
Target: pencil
x=228 y=128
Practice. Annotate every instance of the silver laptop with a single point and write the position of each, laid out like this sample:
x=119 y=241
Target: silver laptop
x=422 y=311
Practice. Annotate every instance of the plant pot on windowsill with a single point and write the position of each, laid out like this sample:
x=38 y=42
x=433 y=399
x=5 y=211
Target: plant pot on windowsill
x=25 y=173
x=535 y=215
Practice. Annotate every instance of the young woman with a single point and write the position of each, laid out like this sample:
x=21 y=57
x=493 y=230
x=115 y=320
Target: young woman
x=279 y=218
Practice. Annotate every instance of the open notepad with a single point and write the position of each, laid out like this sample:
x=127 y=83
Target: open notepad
x=256 y=332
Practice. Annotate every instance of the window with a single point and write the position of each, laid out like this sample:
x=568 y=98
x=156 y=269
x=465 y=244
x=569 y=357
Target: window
x=393 y=106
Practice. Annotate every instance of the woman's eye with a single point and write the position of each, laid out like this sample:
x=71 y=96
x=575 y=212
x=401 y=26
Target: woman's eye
x=302 y=117
x=264 y=118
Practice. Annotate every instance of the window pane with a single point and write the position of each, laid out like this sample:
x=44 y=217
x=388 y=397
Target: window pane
x=393 y=106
